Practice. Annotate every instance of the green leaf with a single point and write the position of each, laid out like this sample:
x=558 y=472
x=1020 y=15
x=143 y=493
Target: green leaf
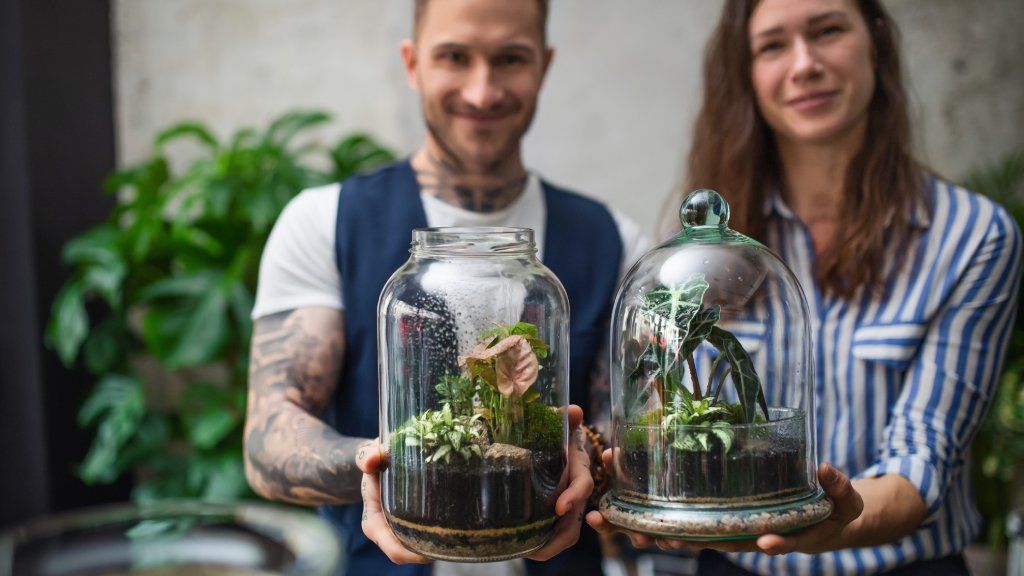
x=226 y=479
x=69 y=323
x=286 y=127
x=104 y=347
x=204 y=332
x=699 y=329
x=101 y=245
x=119 y=399
x=358 y=153
x=524 y=328
x=182 y=286
x=748 y=384
x=209 y=413
x=194 y=130
x=667 y=307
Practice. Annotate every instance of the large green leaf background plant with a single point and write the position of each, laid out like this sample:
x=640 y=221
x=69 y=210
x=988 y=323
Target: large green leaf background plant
x=158 y=302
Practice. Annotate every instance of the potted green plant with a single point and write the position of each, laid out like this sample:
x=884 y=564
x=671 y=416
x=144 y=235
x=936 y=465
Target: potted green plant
x=157 y=304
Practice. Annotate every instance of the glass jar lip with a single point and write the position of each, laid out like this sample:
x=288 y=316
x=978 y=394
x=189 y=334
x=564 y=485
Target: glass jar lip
x=472 y=241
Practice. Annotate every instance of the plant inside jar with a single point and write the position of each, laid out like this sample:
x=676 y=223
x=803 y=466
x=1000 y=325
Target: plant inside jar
x=477 y=479
x=687 y=443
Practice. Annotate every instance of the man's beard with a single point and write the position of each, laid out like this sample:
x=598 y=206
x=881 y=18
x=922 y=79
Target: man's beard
x=462 y=160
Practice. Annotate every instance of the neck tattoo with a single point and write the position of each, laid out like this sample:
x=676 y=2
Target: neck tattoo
x=477 y=192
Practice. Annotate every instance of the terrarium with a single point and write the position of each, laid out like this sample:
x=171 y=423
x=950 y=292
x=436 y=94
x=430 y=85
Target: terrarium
x=712 y=388
x=473 y=353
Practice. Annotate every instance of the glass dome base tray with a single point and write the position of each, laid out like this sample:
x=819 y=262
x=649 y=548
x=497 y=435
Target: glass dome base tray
x=483 y=545
x=706 y=523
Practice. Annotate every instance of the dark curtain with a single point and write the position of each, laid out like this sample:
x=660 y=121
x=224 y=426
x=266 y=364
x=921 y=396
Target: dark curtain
x=56 y=146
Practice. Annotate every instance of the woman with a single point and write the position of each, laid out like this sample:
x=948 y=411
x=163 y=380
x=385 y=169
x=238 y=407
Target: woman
x=911 y=281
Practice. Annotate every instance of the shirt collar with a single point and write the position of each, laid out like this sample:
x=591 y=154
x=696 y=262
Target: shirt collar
x=774 y=205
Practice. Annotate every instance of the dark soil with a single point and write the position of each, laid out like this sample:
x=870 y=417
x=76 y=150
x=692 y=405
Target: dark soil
x=496 y=507
x=756 y=470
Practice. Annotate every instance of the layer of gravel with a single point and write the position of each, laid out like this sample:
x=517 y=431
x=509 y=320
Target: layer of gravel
x=489 y=545
x=716 y=524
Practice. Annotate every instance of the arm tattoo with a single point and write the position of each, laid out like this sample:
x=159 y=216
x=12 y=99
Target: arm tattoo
x=290 y=454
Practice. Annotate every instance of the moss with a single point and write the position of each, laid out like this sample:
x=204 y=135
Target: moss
x=636 y=434
x=543 y=427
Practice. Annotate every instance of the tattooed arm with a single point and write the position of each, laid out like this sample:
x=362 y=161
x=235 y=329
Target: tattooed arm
x=290 y=454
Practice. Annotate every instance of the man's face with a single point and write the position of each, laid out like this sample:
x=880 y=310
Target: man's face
x=478 y=66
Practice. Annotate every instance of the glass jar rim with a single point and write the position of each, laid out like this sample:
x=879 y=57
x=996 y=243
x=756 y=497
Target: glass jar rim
x=473 y=241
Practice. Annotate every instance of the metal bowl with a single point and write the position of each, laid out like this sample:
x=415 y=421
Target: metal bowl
x=180 y=538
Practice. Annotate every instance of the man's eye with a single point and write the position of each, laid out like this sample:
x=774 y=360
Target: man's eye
x=454 y=57
x=509 y=60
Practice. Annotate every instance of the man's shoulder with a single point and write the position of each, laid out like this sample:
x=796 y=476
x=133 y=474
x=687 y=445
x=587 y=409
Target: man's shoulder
x=571 y=197
x=629 y=231
x=376 y=176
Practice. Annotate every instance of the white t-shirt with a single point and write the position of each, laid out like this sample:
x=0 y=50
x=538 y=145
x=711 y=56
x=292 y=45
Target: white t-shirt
x=299 y=269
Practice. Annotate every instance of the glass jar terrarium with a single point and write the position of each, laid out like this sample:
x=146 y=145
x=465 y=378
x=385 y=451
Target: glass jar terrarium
x=712 y=388
x=473 y=344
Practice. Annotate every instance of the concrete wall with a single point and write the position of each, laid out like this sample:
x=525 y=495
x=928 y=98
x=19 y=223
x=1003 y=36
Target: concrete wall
x=616 y=113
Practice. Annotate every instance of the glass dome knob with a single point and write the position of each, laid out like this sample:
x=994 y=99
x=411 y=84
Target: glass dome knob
x=704 y=208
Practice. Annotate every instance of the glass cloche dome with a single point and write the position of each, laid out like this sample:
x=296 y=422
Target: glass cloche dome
x=712 y=388
x=473 y=336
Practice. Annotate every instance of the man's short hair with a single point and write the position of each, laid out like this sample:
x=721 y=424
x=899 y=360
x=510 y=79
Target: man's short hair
x=421 y=9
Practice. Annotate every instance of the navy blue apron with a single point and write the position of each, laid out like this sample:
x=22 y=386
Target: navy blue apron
x=376 y=215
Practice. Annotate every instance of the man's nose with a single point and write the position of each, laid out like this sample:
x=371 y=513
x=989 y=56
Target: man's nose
x=481 y=90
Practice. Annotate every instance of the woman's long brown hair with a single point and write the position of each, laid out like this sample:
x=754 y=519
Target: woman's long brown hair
x=734 y=151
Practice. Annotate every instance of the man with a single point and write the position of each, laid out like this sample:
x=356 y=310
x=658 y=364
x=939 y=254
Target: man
x=478 y=66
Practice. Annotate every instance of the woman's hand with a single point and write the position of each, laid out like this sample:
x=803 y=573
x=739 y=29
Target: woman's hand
x=831 y=534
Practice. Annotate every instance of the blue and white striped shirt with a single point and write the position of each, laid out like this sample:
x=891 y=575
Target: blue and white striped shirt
x=902 y=381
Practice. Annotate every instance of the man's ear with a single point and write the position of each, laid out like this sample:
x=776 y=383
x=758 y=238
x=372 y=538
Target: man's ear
x=409 y=62
x=549 y=55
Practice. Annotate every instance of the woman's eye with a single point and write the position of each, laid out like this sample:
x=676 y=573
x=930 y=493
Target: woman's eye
x=829 y=31
x=769 y=47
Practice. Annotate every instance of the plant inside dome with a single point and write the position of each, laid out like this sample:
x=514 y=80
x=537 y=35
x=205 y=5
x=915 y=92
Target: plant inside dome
x=681 y=322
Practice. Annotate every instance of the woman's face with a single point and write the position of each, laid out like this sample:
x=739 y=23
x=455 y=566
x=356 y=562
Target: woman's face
x=812 y=68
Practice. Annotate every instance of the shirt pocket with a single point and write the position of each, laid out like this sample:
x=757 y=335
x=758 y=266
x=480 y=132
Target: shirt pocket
x=892 y=344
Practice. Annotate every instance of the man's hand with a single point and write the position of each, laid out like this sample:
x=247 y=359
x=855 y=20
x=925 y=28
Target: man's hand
x=375 y=526
x=569 y=505
x=831 y=534
x=573 y=499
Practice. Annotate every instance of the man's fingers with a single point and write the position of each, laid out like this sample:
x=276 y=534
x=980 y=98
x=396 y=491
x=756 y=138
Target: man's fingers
x=368 y=457
x=376 y=528
x=578 y=491
x=581 y=482
x=567 y=532
x=575 y=416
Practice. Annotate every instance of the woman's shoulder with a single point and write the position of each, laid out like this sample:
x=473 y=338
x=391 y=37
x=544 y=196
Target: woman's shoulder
x=956 y=213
